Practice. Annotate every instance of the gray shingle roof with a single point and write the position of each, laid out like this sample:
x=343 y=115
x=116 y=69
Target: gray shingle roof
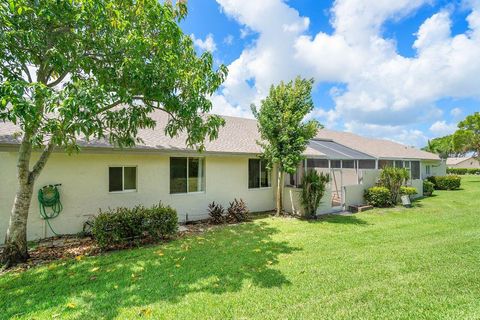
x=240 y=136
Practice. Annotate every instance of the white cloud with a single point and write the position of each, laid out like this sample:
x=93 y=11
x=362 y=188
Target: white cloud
x=206 y=45
x=228 y=40
x=383 y=89
x=456 y=113
x=442 y=128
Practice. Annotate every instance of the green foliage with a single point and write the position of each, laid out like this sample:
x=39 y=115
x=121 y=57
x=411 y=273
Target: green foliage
x=428 y=188
x=124 y=225
x=409 y=191
x=216 y=213
x=463 y=171
x=444 y=147
x=283 y=132
x=98 y=69
x=378 y=197
x=237 y=211
x=448 y=182
x=467 y=137
x=313 y=189
x=392 y=179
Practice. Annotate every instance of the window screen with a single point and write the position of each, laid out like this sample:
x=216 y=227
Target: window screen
x=398 y=164
x=348 y=164
x=187 y=175
x=258 y=174
x=385 y=163
x=415 y=169
x=335 y=163
x=317 y=163
x=366 y=164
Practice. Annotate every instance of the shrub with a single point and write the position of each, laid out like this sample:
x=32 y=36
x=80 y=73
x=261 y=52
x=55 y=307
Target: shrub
x=448 y=182
x=237 y=211
x=392 y=179
x=123 y=225
x=216 y=213
x=378 y=197
x=428 y=188
x=408 y=191
x=313 y=189
x=462 y=171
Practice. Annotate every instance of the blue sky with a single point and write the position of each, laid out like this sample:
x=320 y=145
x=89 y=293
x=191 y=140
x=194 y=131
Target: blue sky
x=405 y=70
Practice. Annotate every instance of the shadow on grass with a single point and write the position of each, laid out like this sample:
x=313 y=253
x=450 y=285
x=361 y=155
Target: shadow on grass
x=216 y=262
x=339 y=219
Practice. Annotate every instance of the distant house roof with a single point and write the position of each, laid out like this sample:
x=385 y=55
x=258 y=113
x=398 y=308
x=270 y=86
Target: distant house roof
x=378 y=148
x=240 y=136
x=455 y=161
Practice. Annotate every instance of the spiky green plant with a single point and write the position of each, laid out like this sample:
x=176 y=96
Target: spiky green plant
x=313 y=189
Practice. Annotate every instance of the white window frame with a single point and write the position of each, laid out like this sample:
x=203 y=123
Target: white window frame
x=203 y=180
x=123 y=179
x=269 y=172
x=428 y=169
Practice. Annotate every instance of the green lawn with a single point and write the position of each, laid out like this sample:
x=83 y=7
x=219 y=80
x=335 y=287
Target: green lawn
x=421 y=263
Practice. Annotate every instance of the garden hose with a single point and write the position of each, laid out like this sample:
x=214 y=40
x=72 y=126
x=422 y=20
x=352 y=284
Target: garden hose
x=49 y=197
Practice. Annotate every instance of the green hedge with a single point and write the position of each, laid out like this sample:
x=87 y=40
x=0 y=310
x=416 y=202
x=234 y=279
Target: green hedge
x=409 y=191
x=123 y=225
x=378 y=197
x=448 y=182
x=463 y=171
x=428 y=188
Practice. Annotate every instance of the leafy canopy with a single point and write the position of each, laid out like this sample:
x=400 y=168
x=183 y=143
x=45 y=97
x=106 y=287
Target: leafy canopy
x=96 y=70
x=280 y=120
x=467 y=137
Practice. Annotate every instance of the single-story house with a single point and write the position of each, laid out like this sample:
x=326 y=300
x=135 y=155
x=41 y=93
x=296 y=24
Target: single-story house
x=464 y=163
x=164 y=169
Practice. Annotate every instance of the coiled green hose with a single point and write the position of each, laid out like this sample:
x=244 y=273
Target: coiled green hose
x=49 y=197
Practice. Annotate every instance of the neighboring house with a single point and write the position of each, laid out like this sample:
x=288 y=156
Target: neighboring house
x=163 y=169
x=466 y=162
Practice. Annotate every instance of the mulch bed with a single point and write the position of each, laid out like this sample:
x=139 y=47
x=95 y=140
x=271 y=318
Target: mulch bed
x=51 y=249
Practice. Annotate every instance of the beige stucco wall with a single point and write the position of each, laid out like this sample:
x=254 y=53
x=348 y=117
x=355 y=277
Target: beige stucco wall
x=437 y=168
x=291 y=201
x=468 y=163
x=84 y=179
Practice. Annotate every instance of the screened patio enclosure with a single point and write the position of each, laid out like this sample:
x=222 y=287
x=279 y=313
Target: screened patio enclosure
x=344 y=165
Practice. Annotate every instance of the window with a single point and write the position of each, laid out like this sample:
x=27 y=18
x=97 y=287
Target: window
x=398 y=164
x=122 y=179
x=366 y=164
x=348 y=164
x=317 y=163
x=187 y=175
x=335 y=164
x=384 y=163
x=258 y=175
x=428 y=170
x=415 y=169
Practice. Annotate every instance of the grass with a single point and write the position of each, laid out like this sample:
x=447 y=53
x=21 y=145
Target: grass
x=421 y=263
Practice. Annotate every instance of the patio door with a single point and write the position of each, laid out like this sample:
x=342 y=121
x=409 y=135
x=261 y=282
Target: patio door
x=336 y=183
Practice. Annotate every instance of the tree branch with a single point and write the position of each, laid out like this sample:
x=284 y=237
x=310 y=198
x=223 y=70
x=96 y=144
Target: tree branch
x=58 y=80
x=25 y=69
x=40 y=164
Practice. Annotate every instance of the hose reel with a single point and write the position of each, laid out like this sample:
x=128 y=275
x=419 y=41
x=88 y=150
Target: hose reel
x=50 y=204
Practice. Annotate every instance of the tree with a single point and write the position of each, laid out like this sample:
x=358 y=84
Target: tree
x=444 y=147
x=80 y=69
x=467 y=137
x=283 y=131
x=313 y=189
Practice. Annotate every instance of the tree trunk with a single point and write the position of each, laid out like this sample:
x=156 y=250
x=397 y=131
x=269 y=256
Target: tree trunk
x=279 y=207
x=16 y=238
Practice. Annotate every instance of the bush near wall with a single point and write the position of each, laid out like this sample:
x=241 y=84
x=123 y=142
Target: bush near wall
x=378 y=197
x=124 y=225
x=463 y=171
x=448 y=182
x=428 y=188
x=409 y=191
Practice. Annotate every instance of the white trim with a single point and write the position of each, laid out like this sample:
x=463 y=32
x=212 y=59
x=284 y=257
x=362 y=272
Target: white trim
x=202 y=178
x=123 y=178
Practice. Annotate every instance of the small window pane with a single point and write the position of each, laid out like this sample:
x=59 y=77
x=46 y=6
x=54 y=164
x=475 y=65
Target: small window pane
x=195 y=174
x=385 y=163
x=335 y=163
x=130 y=176
x=317 y=163
x=264 y=175
x=407 y=165
x=366 y=164
x=115 y=179
x=415 y=170
x=178 y=175
x=253 y=173
x=398 y=164
x=348 y=164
